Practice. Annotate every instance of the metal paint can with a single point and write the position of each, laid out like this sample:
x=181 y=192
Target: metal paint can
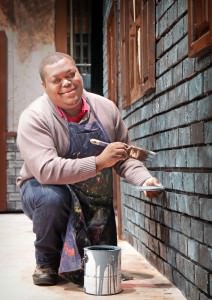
x=102 y=264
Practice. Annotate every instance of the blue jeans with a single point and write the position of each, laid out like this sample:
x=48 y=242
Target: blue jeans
x=49 y=207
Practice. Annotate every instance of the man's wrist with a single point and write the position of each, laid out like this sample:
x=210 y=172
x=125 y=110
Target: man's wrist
x=99 y=165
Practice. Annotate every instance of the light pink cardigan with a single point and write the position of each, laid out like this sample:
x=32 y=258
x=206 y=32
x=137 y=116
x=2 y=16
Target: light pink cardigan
x=43 y=141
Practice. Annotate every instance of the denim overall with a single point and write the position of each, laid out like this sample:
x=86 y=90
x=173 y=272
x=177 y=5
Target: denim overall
x=92 y=221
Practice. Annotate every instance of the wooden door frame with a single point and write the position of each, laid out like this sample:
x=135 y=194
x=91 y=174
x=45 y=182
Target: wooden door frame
x=3 y=118
x=112 y=47
x=61 y=7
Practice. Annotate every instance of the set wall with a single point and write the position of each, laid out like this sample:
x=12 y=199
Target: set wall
x=29 y=29
x=174 y=231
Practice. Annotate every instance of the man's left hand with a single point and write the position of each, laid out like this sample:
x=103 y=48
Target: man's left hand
x=152 y=181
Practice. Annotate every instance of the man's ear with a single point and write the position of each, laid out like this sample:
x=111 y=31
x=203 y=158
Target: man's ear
x=43 y=84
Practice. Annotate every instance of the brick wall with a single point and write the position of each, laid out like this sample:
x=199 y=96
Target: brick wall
x=14 y=163
x=25 y=50
x=174 y=231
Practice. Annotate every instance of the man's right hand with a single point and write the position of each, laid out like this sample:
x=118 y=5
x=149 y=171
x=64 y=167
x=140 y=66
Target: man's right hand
x=113 y=153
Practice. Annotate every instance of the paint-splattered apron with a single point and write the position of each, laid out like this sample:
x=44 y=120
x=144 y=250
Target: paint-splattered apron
x=92 y=221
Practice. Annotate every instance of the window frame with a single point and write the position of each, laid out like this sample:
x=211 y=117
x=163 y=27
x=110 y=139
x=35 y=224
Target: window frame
x=112 y=55
x=133 y=87
x=199 y=27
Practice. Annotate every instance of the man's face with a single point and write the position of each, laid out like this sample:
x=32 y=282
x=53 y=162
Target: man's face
x=63 y=84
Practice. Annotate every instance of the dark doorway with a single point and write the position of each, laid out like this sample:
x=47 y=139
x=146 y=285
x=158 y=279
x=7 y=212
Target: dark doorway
x=85 y=41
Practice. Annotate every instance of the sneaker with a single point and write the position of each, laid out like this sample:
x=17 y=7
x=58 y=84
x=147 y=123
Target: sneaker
x=45 y=276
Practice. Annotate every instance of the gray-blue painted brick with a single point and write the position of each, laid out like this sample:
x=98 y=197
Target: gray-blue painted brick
x=189 y=269
x=203 y=62
x=180 y=263
x=197 y=133
x=178 y=73
x=178 y=30
x=147 y=209
x=208 y=80
x=156 y=106
x=137 y=217
x=136 y=231
x=167 y=4
x=182 y=49
x=173 y=239
x=152 y=227
x=201 y=278
x=179 y=281
x=183 y=243
x=162 y=24
x=188 y=67
x=181 y=7
x=159 y=46
x=185 y=223
x=188 y=204
x=156 y=142
x=192 y=157
x=163 y=102
x=184 y=136
x=171 y=256
x=172 y=201
x=188 y=182
x=191 y=292
x=208 y=132
x=158 y=86
x=208 y=232
x=174 y=138
x=172 y=98
x=166 y=181
x=193 y=250
x=11 y=171
x=191 y=113
x=172 y=56
x=203 y=297
x=205 y=157
x=181 y=158
x=185 y=24
x=141 y=220
x=168 y=40
x=161 y=121
x=210 y=183
x=163 y=64
x=204 y=108
x=206 y=209
x=176 y=221
x=167 y=80
x=164 y=140
x=13 y=197
x=170 y=119
x=167 y=218
x=182 y=92
x=192 y=206
x=163 y=250
x=197 y=230
x=205 y=256
x=196 y=87
x=157 y=68
x=172 y=14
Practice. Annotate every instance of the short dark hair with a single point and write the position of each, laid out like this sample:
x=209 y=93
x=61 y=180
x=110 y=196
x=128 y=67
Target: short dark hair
x=50 y=59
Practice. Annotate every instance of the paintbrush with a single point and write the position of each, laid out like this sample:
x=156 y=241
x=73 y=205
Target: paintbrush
x=133 y=151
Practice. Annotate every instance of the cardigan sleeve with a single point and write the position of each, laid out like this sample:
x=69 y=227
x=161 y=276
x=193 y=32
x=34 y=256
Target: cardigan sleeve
x=41 y=160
